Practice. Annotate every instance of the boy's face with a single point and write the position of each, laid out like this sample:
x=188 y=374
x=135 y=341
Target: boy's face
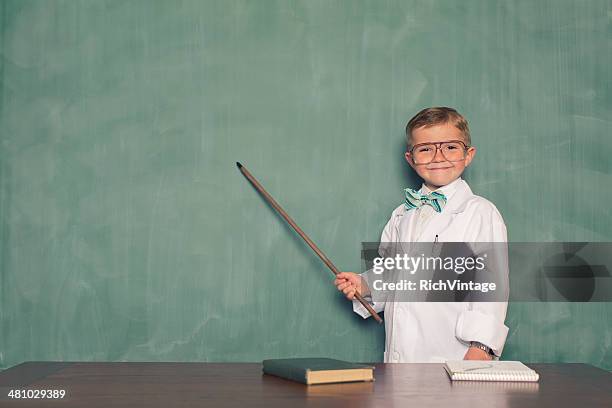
x=440 y=171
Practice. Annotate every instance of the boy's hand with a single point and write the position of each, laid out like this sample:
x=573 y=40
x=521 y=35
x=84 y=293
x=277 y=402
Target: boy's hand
x=474 y=353
x=348 y=283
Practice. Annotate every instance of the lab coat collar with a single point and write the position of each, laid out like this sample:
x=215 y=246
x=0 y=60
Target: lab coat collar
x=457 y=197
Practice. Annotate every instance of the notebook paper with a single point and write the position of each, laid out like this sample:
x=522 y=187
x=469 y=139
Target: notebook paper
x=477 y=370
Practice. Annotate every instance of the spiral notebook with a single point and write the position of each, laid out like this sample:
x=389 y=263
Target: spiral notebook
x=476 y=370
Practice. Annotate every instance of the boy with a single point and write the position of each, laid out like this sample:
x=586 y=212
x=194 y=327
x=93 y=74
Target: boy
x=439 y=150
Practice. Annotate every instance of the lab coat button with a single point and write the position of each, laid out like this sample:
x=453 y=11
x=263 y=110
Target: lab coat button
x=395 y=356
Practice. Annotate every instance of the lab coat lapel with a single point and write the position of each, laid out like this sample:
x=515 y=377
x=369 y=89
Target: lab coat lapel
x=404 y=227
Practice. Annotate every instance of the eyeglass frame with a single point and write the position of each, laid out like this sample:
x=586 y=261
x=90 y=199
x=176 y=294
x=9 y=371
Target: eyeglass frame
x=438 y=146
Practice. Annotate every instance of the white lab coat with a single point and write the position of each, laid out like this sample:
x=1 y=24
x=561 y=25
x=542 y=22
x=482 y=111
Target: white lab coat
x=440 y=331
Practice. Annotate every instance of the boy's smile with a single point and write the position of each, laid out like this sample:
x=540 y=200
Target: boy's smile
x=440 y=171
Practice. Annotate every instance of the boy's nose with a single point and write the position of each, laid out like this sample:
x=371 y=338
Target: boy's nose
x=438 y=156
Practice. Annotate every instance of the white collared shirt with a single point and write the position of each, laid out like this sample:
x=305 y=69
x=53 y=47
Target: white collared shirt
x=426 y=212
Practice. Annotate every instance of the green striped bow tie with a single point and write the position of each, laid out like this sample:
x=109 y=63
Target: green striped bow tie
x=414 y=199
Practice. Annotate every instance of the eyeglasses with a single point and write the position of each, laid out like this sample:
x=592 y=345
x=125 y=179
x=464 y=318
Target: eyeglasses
x=452 y=151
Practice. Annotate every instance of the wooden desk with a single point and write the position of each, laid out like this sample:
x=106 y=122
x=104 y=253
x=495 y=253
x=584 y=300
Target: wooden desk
x=243 y=385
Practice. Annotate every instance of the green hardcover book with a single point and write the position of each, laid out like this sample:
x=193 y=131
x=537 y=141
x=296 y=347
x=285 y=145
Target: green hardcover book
x=318 y=370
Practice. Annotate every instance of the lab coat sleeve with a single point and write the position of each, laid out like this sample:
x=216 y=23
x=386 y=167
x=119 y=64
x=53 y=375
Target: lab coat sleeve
x=386 y=237
x=362 y=311
x=484 y=321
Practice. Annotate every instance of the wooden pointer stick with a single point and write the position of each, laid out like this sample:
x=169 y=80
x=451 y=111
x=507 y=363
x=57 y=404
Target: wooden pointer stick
x=302 y=234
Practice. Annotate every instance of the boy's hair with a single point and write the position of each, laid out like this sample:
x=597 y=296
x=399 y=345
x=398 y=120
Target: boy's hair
x=438 y=115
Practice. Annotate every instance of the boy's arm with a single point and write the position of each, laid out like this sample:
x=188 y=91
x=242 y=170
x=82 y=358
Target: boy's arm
x=361 y=310
x=388 y=235
x=484 y=321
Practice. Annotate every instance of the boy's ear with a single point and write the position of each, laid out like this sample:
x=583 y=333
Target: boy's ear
x=471 y=152
x=408 y=158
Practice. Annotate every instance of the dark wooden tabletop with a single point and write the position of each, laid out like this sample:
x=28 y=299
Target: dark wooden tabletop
x=242 y=384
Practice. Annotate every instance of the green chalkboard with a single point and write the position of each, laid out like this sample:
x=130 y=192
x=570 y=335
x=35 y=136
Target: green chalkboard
x=127 y=232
